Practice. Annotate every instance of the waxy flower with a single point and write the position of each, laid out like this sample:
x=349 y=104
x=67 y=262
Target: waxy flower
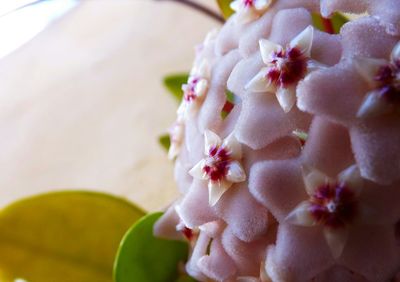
x=285 y=68
x=221 y=166
x=384 y=79
x=332 y=204
x=249 y=10
x=195 y=90
x=176 y=134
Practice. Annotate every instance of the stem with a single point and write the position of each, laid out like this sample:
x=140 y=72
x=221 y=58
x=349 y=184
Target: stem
x=200 y=8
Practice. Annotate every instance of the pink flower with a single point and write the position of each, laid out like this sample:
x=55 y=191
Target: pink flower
x=221 y=166
x=383 y=77
x=285 y=67
x=249 y=10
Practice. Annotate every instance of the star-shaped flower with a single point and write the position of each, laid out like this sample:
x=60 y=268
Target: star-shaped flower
x=221 y=166
x=195 y=90
x=249 y=10
x=384 y=79
x=332 y=204
x=285 y=67
x=176 y=134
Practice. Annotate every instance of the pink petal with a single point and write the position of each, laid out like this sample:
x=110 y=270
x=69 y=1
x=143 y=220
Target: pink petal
x=199 y=250
x=217 y=265
x=262 y=121
x=328 y=147
x=299 y=252
x=284 y=148
x=194 y=209
x=326 y=48
x=248 y=43
x=165 y=227
x=388 y=13
x=367 y=38
x=278 y=185
x=376 y=148
x=335 y=93
x=339 y=273
x=247 y=256
x=372 y=251
x=210 y=113
x=244 y=72
x=246 y=218
x=228 y=38
x=380 y=203
x=288 y=23
x=353 y=6
x=182 y=176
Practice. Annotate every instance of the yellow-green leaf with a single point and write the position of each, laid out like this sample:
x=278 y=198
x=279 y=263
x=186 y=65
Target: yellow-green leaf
x=331 y=25
x=63 y=237
x=225 y=8
x=145 y=258
x=174 y=84
x=165 y=141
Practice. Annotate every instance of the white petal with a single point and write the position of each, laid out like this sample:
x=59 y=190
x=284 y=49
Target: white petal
x=234 y=146
x=260 y=82
x=212 y=35
x=368 y=68
x=236 y=5
x=396 y=52
x=212 y=228
x=267 y=48
x=216 y=190
x=211 y=140
x=304 y=40
x=313 y=65
x=373 y=106
x=173 y=151
x=264 y=277
x=201 y=88
x=336 y=239
x=246 y=15
x=313 y=179
x=352 y=178
x=235 y=173
x=181 y=110
x=201 y=69
x=301 y=215
x=262 y=4
x=286 y=98
x=197 y=171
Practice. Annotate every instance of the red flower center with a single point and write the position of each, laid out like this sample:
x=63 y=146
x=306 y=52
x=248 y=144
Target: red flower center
x=388 y=78
x=333 y=205
x=248 y=3
x=217 y=163
x=190 y=94
x=287 y=67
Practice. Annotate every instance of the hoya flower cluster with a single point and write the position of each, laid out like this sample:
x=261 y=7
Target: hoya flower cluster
x=300 y=179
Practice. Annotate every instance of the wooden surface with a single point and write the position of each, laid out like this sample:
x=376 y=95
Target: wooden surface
x=82 y=104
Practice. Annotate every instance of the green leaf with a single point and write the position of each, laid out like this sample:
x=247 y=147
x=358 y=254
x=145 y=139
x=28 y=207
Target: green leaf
x=225 y=8
x=331 y=25
x=165 y=141
x=144 y=258
x=174 y=84
x=63 y=236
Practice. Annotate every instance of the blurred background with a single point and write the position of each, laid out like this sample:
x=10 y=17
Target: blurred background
x=81 y=97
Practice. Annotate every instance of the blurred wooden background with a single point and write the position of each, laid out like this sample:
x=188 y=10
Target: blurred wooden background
x=82 y=104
